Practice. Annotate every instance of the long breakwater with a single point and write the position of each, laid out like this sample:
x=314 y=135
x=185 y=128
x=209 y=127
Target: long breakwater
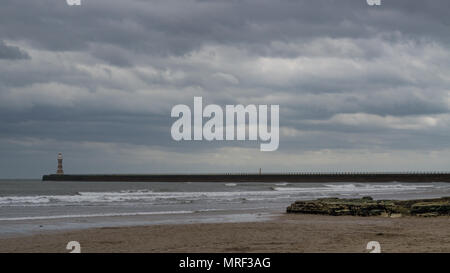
x=272 y=177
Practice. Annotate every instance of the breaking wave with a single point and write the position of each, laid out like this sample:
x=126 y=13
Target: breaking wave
x=280 y=192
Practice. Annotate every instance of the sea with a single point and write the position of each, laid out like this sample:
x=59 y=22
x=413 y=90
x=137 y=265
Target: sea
x=34 y=206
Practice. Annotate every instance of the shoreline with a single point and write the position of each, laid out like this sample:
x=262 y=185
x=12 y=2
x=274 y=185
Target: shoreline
x=285 y=233
x=29 y=227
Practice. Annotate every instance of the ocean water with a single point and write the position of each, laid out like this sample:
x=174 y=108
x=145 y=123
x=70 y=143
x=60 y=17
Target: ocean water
x=32 y=206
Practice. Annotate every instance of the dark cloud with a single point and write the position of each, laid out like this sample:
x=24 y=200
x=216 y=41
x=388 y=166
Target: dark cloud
x=100 y=79
x=178 y=27
x=12 y=52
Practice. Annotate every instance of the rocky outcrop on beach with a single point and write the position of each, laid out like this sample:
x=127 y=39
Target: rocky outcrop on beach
x=366 y=206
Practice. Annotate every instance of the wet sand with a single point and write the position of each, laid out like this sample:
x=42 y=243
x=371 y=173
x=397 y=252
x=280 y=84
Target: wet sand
x=287 y=233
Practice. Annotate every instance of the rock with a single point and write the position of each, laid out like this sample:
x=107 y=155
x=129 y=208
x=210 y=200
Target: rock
x=366 y=206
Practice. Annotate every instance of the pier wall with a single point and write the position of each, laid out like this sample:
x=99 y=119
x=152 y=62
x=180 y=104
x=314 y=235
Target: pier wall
x=314 y=177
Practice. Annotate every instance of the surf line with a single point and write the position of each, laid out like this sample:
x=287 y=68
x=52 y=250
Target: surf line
x=236 y=127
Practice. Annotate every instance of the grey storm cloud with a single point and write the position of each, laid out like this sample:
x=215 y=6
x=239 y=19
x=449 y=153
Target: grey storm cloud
x=177 y=27
x=12 y=52
x=98 y=81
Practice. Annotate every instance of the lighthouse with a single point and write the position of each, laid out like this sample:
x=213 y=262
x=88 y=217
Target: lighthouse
x=60 y=167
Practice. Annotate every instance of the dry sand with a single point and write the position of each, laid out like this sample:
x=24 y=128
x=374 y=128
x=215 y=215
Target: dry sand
x=288 y=233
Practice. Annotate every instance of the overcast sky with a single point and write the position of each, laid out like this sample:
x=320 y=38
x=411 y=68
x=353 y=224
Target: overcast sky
x=359 y=87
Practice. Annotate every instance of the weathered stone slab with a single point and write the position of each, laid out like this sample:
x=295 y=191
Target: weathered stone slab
x=366 y=206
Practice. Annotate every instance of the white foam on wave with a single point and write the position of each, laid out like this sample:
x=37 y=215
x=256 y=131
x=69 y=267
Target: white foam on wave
x=231 y=184
x=234 y=209
x=122 y=214
x=94 y=215
x=80 y=197
x=150 y=197
x=355 y=188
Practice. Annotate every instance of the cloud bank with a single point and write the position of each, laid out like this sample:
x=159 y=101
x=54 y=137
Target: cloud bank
x=359 y=87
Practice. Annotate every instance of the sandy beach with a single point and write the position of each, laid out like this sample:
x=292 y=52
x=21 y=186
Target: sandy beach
x=286 y=233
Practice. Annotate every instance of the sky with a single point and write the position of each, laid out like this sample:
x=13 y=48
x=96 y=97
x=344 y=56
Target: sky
x=360 y=88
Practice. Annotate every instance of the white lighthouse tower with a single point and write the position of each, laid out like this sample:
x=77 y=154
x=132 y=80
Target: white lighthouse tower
x=60 y=166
